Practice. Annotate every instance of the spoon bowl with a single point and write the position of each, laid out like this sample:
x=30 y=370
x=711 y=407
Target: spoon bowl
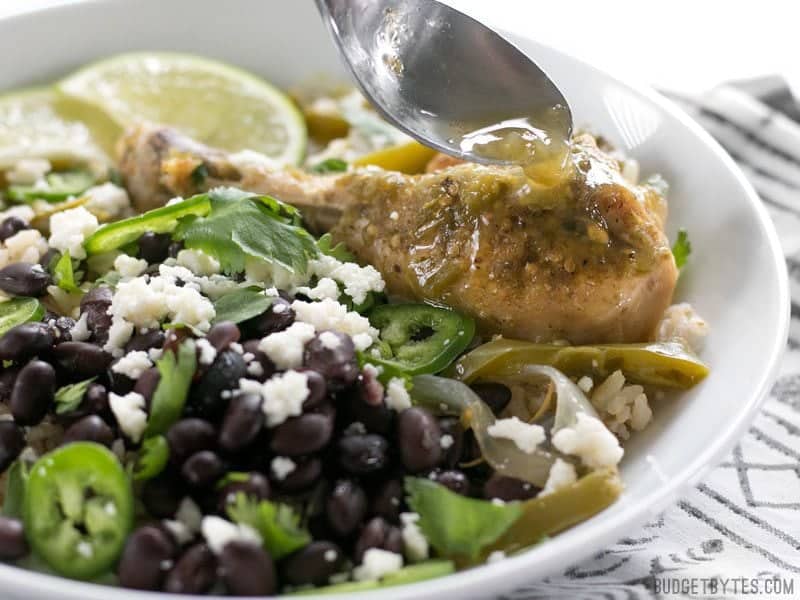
x=441 y=76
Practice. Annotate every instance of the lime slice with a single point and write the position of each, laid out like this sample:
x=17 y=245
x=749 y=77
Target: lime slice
x=32 y=125
x=212 y=102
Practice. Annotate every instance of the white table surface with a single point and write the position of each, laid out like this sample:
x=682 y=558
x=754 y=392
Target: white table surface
x=684 y=45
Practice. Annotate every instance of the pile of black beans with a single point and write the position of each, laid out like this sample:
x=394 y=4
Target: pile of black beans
x=351 y=452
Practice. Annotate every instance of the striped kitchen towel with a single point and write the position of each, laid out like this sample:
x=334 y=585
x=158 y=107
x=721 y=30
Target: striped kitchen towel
x=737 y=534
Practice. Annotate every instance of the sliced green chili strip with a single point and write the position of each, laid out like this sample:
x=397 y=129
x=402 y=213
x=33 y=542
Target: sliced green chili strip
x=419 y=338
x=78 y=509
x=666 y=364
x=57 y=187
x=160 y=220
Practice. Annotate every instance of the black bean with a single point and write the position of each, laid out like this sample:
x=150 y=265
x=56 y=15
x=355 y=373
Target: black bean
x=11 y=226
x=496 y=395
x=247 y=569
x=162 y=496
x=24 y=279
x=268 y=368
x=202 y=469
x=7 y=378
x=95 y=401
x=62 y=328
x=453 y=480
x=508 y=488
x=33 y=393
x=452 y=454
x=119 y=383
x=317 y=389
x=302 y=435
x=332 y=354
x=12 y=442
x=419 y=439
x=256 y=486
x=189 y=436
x=152 y=338
x=95 y=305
x=154 y=247
x=269 y=321
x=388 y=501
x=26 y=340
x=82 y=359
x=147 y=383
x=304 y=475
x=362 y=454
x=365 y=403
x=242 y=423
x=378 y=533
x=314 y=564
x=194 y=573
x=206 y=398
x=89 y=429
x=48 y=257
x=146 y=558
x=13 y=545
x=174 y=249
x=223 y=334
x=346 y=507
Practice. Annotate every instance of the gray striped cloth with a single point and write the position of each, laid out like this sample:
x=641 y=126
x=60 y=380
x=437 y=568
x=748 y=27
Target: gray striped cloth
x=741 y=526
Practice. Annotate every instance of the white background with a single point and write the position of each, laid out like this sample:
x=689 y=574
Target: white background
x=685 y=45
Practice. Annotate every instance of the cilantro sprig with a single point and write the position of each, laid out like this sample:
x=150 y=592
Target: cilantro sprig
x=278 y=524
x=682 y=248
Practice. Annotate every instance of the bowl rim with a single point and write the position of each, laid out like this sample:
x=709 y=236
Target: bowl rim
x=511 y=571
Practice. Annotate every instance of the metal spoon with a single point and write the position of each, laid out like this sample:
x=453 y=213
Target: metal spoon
x=437 y=74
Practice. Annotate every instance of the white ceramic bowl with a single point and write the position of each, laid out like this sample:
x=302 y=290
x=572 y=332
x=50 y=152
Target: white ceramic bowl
x=736 y=278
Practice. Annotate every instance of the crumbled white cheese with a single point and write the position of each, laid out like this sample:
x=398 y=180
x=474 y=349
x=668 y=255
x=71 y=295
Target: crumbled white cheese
x=394 y=215
x=397 y=397
x=198 y=262
x=279 y=308
x=590 y=440
x=189 y=514
x=213 y=286
x=415 y=544
x=329 y=340
x=561 y=475
x=495 y=556
x=28 y=171
x=283 y=395
x=129 y=412
x=377 y=563
x=329 y=314
x=255 y=369
x=325 y=288
x=69 y=228
x=330 y=555
x=274 y=275
x=281 y=467
x=129 y=266
x=526 y=436
x=218 y=533
x=207 y=352
x=236 y=347
x=446 y=441
x=586 y=384
x=285 y=348
x=358 y=281
x=179 y=531
x=155 y=353
x=174 y=201
x=26 y=246
x=133 y=364
x=107 y=201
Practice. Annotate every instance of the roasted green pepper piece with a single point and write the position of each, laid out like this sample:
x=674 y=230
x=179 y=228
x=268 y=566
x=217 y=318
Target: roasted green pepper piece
x=547 y=515
x=420 y=338
x=664 y=364
x=57 y=187
x=160 y=220
x=18 y=311
x=411 y=574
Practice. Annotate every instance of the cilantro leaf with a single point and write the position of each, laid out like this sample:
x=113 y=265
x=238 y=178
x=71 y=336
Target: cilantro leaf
x=339 y=251
x=241 y=224
x=16 y=480
x=63 y=274
x=241 y=305
x=153 y=457
x=278 y=524
x=456 y=525
x=172 y=389
x=69 y=397
x=332 y=165
x=682 y=248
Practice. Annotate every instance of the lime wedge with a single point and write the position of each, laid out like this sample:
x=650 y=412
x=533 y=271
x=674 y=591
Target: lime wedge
x=212 y=102
x=32 y=125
